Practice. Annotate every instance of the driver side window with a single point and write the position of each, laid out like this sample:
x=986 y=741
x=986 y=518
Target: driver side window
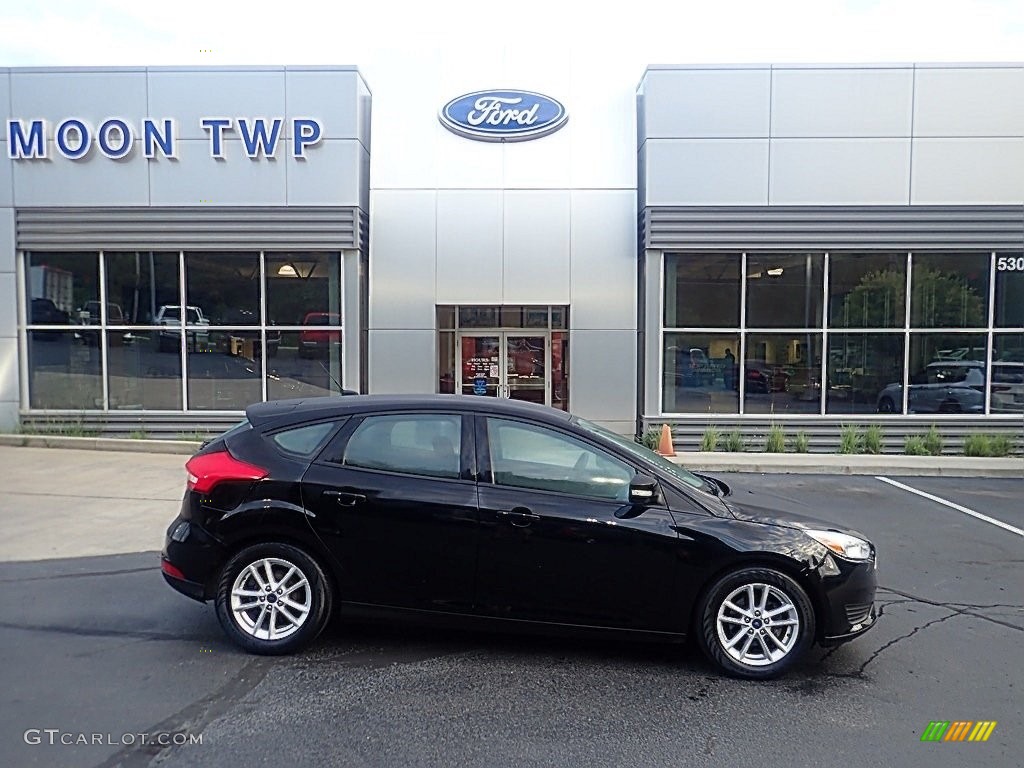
x=528 y=456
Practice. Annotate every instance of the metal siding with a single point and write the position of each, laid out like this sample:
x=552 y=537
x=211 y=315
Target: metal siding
x=834 y=227
x=173 y=228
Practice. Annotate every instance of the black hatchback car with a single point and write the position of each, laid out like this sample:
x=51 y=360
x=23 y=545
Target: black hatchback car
x=503 y=514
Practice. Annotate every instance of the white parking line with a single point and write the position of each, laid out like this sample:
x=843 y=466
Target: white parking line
x=957 y=507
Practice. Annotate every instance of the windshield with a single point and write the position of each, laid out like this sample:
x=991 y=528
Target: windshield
x=642 y=452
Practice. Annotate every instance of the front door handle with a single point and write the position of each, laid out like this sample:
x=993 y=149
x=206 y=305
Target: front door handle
x=344 y=498
x=520 y=517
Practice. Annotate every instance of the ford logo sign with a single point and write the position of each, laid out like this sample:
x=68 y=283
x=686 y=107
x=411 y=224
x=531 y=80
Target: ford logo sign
x=503 y=115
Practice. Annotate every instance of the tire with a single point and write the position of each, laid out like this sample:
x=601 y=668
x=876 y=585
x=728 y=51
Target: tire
x=283 y=629
x=752 y=652
x=886 y=405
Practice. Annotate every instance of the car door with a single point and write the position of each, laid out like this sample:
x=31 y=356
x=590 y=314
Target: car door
x=558 y=540
x=394 y=500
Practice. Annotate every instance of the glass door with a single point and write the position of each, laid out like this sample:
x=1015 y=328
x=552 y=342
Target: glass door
x=505 y=364
x=526 y=368
x=480 y=364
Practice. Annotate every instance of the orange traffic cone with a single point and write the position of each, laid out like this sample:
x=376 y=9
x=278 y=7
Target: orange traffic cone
x=665 y=445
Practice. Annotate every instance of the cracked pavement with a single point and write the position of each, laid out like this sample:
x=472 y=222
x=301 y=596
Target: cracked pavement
x=100 y=644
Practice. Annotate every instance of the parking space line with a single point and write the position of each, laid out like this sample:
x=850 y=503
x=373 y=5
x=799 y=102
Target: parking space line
x=957 y=507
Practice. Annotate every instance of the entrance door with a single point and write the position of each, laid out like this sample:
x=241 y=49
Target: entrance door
x=512 y=364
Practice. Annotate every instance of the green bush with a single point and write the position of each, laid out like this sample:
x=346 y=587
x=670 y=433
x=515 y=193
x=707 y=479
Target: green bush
x=933 y=441
x=651 y=438
x=851 y=440
x=873 y=439
x=988 y=445
x=734 y=442
x=914 y=446
x=801 y=444
x=775 y=442
x=709 y=442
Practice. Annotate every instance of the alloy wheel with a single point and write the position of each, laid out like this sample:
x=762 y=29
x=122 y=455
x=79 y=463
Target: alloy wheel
x=271 y=599
x=758 y=624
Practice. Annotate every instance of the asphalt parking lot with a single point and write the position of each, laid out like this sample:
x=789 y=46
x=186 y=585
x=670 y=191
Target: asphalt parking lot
x=95 y=643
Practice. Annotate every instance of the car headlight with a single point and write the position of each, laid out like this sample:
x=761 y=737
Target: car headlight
x=843 y=544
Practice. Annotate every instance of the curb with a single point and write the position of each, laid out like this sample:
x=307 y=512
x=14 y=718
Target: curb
x=853 y=464
x=182 y=447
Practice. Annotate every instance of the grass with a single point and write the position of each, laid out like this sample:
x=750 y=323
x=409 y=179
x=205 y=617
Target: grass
x=650 y=438
x=709 y=441
x=138 y=434
x=996 y=446
x=195 y=436
x=914 y=445
x=775 y=442
x=851 y=440
x=801 y=443
x=873 y=439
x=933 y=442
x=734 y=442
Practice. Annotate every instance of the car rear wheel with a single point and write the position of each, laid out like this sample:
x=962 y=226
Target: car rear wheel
x=755 y=623
x=273 y=599
x=886 y=405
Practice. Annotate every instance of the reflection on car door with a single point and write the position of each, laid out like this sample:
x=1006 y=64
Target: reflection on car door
x=394 y=500
x=551 y=545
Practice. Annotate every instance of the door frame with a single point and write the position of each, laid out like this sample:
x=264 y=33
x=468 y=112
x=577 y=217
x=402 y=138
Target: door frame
x=503 y=335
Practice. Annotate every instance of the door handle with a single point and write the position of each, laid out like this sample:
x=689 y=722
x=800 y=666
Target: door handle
x=344 y=498
x=520 y=517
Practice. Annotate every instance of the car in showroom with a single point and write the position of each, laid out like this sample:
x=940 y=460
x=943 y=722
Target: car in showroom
x=946 y=386
x=503 y=515
x=317 y=342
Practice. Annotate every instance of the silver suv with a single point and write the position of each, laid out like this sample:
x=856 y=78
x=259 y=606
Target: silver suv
x=169 y=317
x=948 y=386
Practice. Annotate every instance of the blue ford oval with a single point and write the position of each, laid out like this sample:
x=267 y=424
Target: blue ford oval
x=508 y=115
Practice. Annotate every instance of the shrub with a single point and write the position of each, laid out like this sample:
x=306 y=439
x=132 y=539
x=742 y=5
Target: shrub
x=651 y=438
x=933 y=441
x=850 y=440
x=775 y=442
x=801 y=444
x=914 y=446
x=734 y=442
x=988 y=445
x=709 y=442
x=873 y=439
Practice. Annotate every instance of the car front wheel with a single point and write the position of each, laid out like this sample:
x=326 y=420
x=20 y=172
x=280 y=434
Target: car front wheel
x=755 y=623
x=273 y=599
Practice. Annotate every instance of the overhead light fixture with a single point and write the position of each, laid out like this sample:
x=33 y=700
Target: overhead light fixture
x=287 y=270
x=775 y=272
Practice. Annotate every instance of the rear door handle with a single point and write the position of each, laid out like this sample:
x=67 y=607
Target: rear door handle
x=344 y=498
x=520 y=517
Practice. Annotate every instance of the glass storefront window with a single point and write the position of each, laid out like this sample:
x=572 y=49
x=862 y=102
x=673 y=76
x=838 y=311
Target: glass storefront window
x=63 y=288
x=446 y=363
x=949 y=290
x=701 y=373
x=144 y=369
x=784 y=290
x=303 y=288
x=224 y=287
x=867 y=290
x=224 y=369
x=1009 y=309
x=947 y=373
x=63 y=371
x=1007 y=394
x=560 y=370
x=861 y=367
x=782 y=373
x=304 y=364
x=702 y=290
x=139 y=285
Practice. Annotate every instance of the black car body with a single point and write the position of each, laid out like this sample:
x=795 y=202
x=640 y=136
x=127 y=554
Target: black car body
x=508 y=514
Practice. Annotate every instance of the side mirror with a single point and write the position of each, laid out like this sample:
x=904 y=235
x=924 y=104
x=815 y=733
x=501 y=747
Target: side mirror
x=643 y=490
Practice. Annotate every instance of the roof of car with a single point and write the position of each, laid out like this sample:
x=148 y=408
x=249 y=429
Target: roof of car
x=313 y=408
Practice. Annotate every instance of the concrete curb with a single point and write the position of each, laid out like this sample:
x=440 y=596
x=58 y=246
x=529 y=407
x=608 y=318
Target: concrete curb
x=183 y=447
x=856 y=464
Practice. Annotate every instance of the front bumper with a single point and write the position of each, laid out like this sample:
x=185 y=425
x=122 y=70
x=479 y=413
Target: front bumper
x=847 y=602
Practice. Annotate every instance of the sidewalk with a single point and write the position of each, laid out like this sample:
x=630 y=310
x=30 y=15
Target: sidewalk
x=852 y=464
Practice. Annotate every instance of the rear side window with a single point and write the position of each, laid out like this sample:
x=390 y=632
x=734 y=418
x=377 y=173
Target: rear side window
x=303 y=440
x=412 y=444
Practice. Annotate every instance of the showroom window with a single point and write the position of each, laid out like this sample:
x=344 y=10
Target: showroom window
x=827 y=333
x=171 y=330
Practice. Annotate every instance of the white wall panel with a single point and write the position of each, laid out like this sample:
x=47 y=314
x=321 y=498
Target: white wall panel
x=8 y=380
x=189 y=96
x=6 y=239
x=403 y=362
x=842 y=102
x=331 y=96
x=235 y=180
x=331 y=174
x=968 y=171
x=465 y=164
x=602 y=119
x=6 y=172
x=602 y=382
x=544 y=163
x=834 y=171
x=403 y=252
x=94 y=180
x=89 y=95
x=469 y=247
x=707 y=103
x=969 y=102
x=536 y=237
x=8 y=305
x=603 y=260
x=707 y=172
x=5 y=97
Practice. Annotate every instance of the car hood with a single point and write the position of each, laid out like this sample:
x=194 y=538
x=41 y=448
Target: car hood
x=768 y=508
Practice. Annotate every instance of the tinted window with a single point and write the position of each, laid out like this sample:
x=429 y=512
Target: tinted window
x=414 y=444
x=303 y=440
x=526 y=456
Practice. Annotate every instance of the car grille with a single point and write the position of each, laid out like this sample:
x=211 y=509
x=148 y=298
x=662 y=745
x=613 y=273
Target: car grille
x=857 y=613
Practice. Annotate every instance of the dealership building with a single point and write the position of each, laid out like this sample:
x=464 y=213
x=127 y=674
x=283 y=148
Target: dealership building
x=736 y=246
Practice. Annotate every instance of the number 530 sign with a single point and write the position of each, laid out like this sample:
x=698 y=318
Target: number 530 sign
x=1010 y=264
